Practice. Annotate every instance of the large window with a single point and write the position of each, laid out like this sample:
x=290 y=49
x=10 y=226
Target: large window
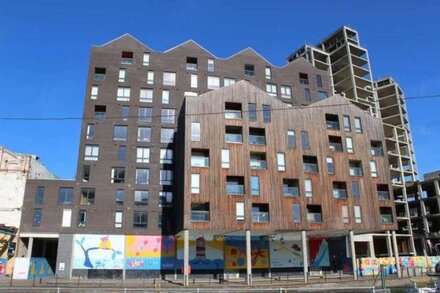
x=303 y=78
x=252 y=112
x=142 y=176
x=355 y=189
x=146 y=95
x=195 y=131
x=146 y=59
x=166 y=177
x=281 y=162
x=39 y=195
x=355 y=168
x=234 y=134
x=235 y=185
x=91 y=153
x=65 y=195
x=228 y=81
x=123 y=94
x=358 y=124
x=169 y=78
x=165 y=97
x=225 y=158
x=290 y=187
x=166 y=156
x=165 y=199
x=141 y=197
x=255 y=185
x=118 y=175
x=100 y=112
x=142 y=155
x=271 y=89
x=308 y=187
x=150 y=77
x=166 y=135
x=291 y=140
x=286 y=91
x=122 y=74
x=213 y=82
x=120 y=132
x=36 y=220
x=144 y=134
x=87 y=196
x=140 y=219
x=195 y=183
x=168 y=116
x=199 y=158
x=122 y=153
x=145 y=115
x=266 y=113
x=373 y=168
x=296 y=213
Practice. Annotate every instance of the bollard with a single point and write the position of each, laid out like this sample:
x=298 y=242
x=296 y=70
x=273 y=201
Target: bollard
x=12 y=275
x=78 y=279
x=325 y=276
x=340 y=274
x=33 y=282
x=56 y=280
x=194 y=280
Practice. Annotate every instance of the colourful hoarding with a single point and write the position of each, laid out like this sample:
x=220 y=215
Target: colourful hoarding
x=285 y=254
x=235 y=253
x=91 y=251
x=318 y=252
x=203 y=254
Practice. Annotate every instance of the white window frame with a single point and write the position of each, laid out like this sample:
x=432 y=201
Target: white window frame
x=373 y=169
x=150 y=77
x=329 y=160
x=239 y=211
x=345 y=214
x=211 y=65
x=358 y=124
x=308 y=187
x=166 y=156
x=94 y=92
x=122 y=75
x=123 y=94
x=271 y=89
x=213 y=82
x=136 y=176
x=357 y=214
x=142 y=155
x=228 y=81
x=139 y=139
x=162 y=135
x=91 y=153
x=146 y=59
x=67 y=218
x=169 y=78
x=195 y=183
x=165 y=96
x=166 y=177
x=268 y=72
x=281 y=162
x=194 y=80
x=349 y=144
x=195 y=131
x=286 y=91
x=225 y=159
x=89 y=133
x=146 y=95
x=168 y=116
x=118 y=219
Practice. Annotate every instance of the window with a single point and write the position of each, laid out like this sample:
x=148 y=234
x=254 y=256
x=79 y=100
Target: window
x=121 y=74
x=91 y=153
x=159 y=220
x=349 y=144
x=127 y=57
x=358 y=124
x=252 y=112
x=67 y=218
x=145 y=115
x=307 y=95
x=310 y=164
x=36 y=220
x=386 y=214
x=94 y=92
x=376 y=148
x=335 y=143
x=150 y=77
x=213 y=82
x=99 y=74
x=281 y=163
x=195 y=183
x=100 y=112
x=141 y=197
x=146 y=95
x=146 y=59
x=118 y=219
x=314 y=214
x=225 y=158
x=355 y=189
x=166 y=177
x=195 y=131
x=318 y=81
x=383 y=192
x=268 y=72
x=249 y=70
x=165 y=199
x=332 y=121
x=87 y=196
x=357 y=215
x=65 y=195
x=90 y=133
x=355 y=168
x=165 y=97
x=266 y=113
x=82 y=218
x=258 y=161
x=125 y=113
x=166 y=135
x=233 y=110
x=255 y=185
x=168 y=116
x=120 y=196
x=86 y=173
x=166 y=156
x=345 y=215
x=303 y=78
x=123 y=94
x=233 y=134
x=339 y=190
x=228 y=81
x=322 y=95
x=120 y=132
x=290 y=187
x=39 y=195
x=199 y=158
x=118 y=175
x=330 y=165
x=169 y=78
x=305 y=140
x=291 y=141
x=144 y=134
x=140 y=219
x=257 y=136
x=142 y=155
x=194 y=81
x=191 y=63
x=234 y=185
x=200 y=212
x=142 y=176
x=211 y=65
x=271 y=89
x=260 y=213
x=308 y=187
x=296 y=213
x=286 y=91
x=347 y=124
x=373 y=168
x=239 y=211
x=122 y=153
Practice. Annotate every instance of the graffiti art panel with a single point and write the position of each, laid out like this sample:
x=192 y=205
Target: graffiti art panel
x=91 y=251
x=203 y=254
x=285 y=254
x=318 y=252
x=235 y=253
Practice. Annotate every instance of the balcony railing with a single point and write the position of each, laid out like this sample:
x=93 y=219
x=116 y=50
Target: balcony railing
x=314 y=217
x=127 y=61
x=355 y=171
x=383 y=195
x=376 y=151
x=386 y=218
x=258 y=164
x=233 y=114
x=332 y=125
x=291 y=191
x=199 y=161
x=230 y=137
x=191 y=66
x=234 y=189
x=260 y=217
x=257 y=139
x=339 y=193
x=200 y=216
x=249 y=72
x=99 y=77
x=309 y=167
x=335 y=147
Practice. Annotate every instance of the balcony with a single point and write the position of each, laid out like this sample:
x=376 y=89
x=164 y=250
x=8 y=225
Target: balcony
x=311 y=168
x=234 y=134
x=383 y=195
x=258 y=161
x=291 y=191
x=314 y=217
x=339 y=193
x=257 y=140
x=332 y=125
x=200 y=216
x=260 y=217
x=386 y=219
x=235 y=185
x=200 y=158
x=356 y=171
x=376 y=151
x=229 y=114
x=335 y=147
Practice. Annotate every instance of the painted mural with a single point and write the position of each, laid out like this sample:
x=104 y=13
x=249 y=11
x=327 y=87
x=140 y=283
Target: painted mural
x=203 y=254
x=98 y=252
x=235 y=253
x=3 y=264
x=39 y=268
x=285 y=254
x=369 y=265
x=150 y=252
x=318 y=252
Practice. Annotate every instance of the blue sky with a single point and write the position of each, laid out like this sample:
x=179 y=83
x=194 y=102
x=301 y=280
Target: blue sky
x=45 y=47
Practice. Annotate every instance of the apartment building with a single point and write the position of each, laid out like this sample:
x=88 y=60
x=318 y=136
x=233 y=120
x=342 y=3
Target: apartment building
x=149 y=197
